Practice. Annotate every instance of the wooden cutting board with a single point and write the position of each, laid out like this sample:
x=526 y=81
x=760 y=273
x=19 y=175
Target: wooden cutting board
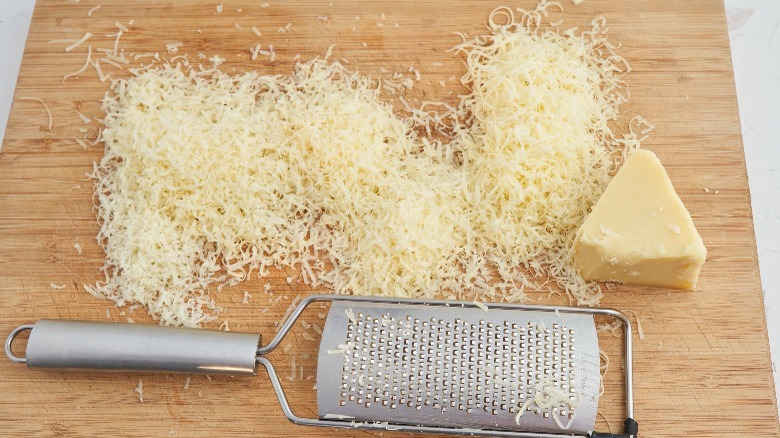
x=702 y=369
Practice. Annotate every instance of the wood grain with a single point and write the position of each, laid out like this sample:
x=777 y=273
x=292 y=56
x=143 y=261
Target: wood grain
x=703 y=368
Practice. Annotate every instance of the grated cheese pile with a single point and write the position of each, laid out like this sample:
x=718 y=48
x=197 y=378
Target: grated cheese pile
x=208 y=177
x=540 y=149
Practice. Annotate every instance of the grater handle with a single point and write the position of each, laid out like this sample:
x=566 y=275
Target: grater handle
x=107 y=346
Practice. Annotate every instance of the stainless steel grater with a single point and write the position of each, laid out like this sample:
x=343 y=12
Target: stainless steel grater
x=466 y=367
x=387 y=364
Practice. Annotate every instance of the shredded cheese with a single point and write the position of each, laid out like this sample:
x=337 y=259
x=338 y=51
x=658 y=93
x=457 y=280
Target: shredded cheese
x=86 y=36
x=350 y=315
x=173 y=47
x=292 y=375
x=89 y=13
x=56 y=286
x=208 y=176
x=83 y=68
x=612 y=327
x=254 y=51
x=533 y=174
x=140 y=390
x=603 y=370
x=44 y=107
x=84 y=119
x=638 y=326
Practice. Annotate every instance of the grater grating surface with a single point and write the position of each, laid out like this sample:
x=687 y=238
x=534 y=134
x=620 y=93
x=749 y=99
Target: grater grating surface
x=433 y=365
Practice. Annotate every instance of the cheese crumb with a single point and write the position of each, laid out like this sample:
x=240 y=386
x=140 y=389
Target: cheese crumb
x=84 y=38
x=173 y=47
x=140 y=390
x=45 y=107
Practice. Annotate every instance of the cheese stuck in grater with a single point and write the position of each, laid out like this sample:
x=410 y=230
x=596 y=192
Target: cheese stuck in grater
x=463 y=367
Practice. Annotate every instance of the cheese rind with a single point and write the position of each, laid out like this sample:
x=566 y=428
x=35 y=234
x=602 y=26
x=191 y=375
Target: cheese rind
x=639 y=232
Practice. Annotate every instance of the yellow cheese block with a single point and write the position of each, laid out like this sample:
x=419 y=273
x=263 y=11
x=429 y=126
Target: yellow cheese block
x=639 y=231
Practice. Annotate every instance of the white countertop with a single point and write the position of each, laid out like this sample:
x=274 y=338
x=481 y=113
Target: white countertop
x=754 y=30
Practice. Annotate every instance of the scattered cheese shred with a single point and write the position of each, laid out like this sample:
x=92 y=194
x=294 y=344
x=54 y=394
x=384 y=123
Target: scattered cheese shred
x=35 y=99
x=612 y=327
x=257 y=31
x=101 y=76
x=481 y=305
x=140 y=390
x=187 y=383
x=83 y=68
x=254 y=51
x=609 y=426
x=638 y=326
x=112 y=63
x=219 y=8
x=603 y=370
x=79 y=42
x=91 y=11
x=84 y=119
x=292 y=375
x=350 y=315
x=56 y=286
x=173 y=47
x=247 y=296
x=77 y=245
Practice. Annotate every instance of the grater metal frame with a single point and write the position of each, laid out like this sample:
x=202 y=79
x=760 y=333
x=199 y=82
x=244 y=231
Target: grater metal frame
x=630 y=424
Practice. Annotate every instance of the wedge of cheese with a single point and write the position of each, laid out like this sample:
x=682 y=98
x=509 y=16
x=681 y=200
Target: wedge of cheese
x=639 y=231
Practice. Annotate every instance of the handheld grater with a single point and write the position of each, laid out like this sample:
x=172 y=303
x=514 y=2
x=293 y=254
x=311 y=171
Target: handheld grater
x=387 y=364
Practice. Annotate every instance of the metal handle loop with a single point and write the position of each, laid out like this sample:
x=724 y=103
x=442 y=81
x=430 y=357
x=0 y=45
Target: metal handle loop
x=14 y=358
